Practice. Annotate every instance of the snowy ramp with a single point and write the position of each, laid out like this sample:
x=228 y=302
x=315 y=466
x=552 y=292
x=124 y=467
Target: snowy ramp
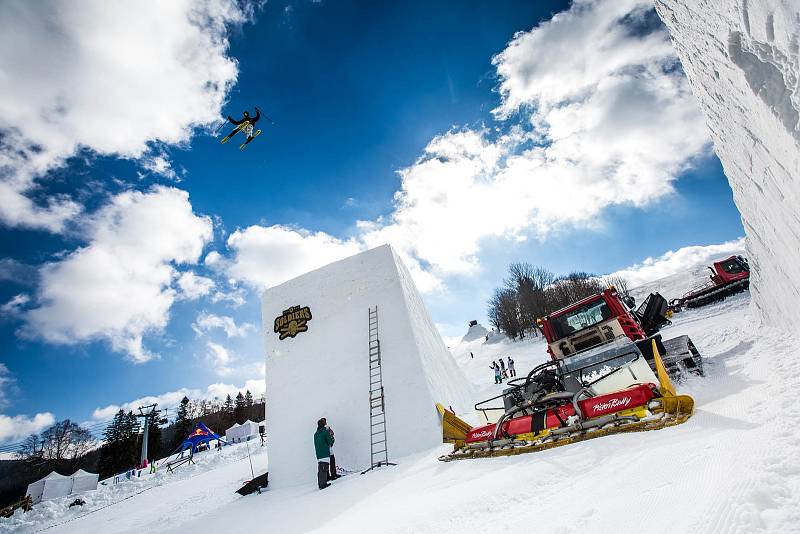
x=321 y=366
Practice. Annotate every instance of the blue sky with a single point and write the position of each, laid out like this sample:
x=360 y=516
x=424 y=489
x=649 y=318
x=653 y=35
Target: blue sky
x=133 y=245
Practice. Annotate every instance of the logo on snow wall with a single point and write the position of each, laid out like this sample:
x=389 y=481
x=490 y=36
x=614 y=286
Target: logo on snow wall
x=292 y=321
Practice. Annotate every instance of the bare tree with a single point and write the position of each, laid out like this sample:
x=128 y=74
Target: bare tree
x=620 y=283
x=65 y=440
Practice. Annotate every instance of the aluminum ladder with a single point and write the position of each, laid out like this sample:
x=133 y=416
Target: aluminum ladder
x=378 y=448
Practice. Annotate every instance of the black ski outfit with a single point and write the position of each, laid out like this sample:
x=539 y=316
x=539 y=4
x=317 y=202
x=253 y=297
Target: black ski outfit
x=248 y=118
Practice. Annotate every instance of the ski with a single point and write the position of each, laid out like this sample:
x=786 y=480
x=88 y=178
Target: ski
x=255 y=134
x=234 y=132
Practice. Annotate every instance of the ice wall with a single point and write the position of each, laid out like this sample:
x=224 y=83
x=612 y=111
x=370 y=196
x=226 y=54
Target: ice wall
x=741 y=58
x=324 y=371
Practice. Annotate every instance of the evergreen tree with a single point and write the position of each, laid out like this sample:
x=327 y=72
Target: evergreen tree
x=154 y=440
x=248 y=399
x=183 y=424
x=239 y=411
x=227 y=412
x=110 y=452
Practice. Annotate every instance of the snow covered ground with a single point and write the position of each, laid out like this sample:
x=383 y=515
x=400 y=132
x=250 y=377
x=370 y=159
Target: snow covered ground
x=733 y=467
x=150 y=503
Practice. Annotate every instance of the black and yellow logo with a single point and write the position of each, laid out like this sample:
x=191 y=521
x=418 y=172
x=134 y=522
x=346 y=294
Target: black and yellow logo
x=292 y=321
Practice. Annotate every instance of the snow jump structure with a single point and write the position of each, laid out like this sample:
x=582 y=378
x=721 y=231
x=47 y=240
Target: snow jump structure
x=317 y=340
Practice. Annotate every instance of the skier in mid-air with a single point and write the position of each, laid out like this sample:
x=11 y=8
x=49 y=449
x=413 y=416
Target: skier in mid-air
x=247 y=124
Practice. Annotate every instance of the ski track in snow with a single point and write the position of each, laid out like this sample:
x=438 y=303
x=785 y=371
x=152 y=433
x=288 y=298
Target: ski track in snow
x=733 y=467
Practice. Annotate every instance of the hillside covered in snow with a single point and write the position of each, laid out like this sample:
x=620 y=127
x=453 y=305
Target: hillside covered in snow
x=733 y=467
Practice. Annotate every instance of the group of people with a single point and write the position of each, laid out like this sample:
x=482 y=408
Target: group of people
x=500 y=370
x=326 y=462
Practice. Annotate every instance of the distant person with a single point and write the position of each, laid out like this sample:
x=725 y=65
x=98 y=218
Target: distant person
x=153 y=467
x=511 y=369
x=323 y=440
x=503 y=368
x=471 y=355
x=333 y=474
x=487 y=337
x=498 y=379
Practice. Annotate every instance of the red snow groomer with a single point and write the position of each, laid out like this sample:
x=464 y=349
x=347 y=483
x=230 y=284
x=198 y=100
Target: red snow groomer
x=607 y=317
x=610 y=373
x=728 y=277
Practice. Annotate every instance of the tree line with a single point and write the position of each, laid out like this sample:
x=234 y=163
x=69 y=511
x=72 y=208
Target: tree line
x=66 y=446
x=530 y=292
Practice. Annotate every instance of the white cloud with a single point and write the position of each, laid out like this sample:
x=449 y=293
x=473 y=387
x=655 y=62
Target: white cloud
x=21 y=426
x=193 y=286
x=6 y=381
x=594 y=112
x=171 y=399
x=118 y=286
x=678 y=261
x=15 y=305
x=160 y=165
x=112 y=77
x=267 y=256
x=206 y=321
x=234 y=298
x=220 y=358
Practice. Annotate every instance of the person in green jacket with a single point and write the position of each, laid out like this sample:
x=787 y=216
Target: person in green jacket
x=323 y=440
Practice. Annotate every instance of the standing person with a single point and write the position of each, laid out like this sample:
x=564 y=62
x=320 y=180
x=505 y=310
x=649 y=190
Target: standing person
x=471 y=355
x=333 y=475
x=511 y=367
x=497 y=378
x=323 y=440
x=503 y=367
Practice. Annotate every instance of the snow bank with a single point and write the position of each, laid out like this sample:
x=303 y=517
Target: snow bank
x=741 y=58
x=151 y=503
x=324 y=371
x=474 y=332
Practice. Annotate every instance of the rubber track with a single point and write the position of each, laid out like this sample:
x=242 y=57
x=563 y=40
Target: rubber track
x=509 y=450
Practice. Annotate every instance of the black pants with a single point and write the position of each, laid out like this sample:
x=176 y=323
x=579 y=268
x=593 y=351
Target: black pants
x=333 y=475
x=322 y=474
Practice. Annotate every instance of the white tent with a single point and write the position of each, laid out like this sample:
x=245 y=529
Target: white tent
x=84 y=481
x=244 y=432
x=50 y=487
x=35 y=490
x=230 y=434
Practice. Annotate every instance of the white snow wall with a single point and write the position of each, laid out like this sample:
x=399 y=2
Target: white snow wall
x=741 y=58
x=324 y=372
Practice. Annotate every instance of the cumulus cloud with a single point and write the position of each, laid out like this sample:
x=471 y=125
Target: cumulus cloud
x=171 y=399
x=6 y=381
x=21 y=426
x=193 y=286
x=112 y=77
x=266 y=256
x=594 y=112
x=678 y=261
x=220 y=358
x=207 y=321
x=119 y=286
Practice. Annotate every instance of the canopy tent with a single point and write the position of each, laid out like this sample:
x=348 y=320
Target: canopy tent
x=50 y=487
x=244 y=432
x=84 y=481
x=230 y=434
x=200 y=434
